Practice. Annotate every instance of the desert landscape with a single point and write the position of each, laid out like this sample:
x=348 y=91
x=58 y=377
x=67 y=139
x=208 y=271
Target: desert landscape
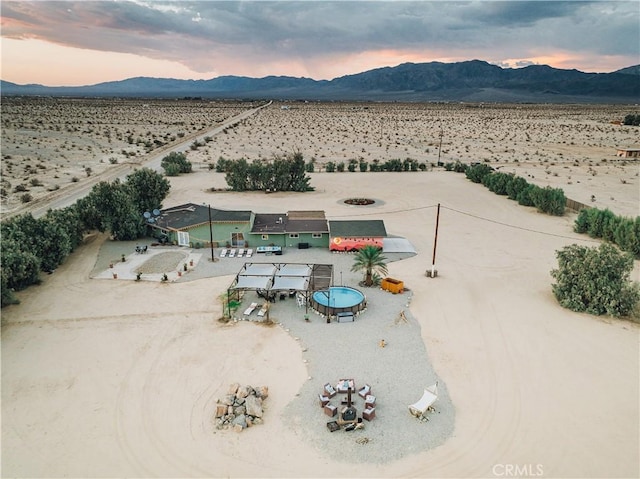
x=104 y=377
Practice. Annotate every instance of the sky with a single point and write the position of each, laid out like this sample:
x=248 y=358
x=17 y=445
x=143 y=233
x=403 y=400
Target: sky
x=68 y=43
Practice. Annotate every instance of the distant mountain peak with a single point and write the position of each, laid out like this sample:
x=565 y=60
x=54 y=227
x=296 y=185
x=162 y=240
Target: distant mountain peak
x=471 y=80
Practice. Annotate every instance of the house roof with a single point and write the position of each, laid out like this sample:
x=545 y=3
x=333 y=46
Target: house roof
x=284 y=223
x=265 y=223
x=306 y=215
x=307 y=226
x=190 y=214
x=357 y=228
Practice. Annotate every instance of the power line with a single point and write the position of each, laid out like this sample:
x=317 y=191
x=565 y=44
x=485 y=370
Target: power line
x=378 y=213
x=522 y=228
x=481 y=218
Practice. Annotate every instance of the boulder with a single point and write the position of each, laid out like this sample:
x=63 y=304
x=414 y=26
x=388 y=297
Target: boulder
x=233 y=389
x=240 y=420
x=228 y=399
x=243 y=391
x=262 y=392
x=221 y=410
x=253 y=406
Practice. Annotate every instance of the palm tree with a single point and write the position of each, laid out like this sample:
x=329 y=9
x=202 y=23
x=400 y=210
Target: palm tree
x=369 y=258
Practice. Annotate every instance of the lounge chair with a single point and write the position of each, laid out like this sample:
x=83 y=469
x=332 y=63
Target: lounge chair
x=224 y=253
x=345 y=384
x=364 y=391
x=249 y=253
x=370 y=401
x=369 y=413
x=330 y=410
x=232 y=253
x=250 y=309
x=263 y=310
x=240 y=252
x=324 y=400
x=428 y=398
x=329 y=390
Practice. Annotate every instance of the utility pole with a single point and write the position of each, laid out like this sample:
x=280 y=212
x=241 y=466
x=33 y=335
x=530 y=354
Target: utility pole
x=211 y=234
x=433 y=273
x=440 y=146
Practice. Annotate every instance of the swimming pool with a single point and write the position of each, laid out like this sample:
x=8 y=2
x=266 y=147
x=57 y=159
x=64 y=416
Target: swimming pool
x=338 y=299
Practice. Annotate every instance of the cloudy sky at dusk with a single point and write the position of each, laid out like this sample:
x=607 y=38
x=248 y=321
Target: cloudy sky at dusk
x=87 y=42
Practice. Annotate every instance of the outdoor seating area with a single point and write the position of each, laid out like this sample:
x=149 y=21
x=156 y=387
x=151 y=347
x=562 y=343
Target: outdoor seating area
x=142 y=249
x=346 y=413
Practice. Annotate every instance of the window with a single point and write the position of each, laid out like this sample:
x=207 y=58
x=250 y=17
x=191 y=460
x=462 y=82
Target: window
x=294 y=235
x=265 y=237
x=316 y=235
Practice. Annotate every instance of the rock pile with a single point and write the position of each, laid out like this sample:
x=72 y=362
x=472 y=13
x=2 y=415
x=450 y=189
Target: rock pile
x=241 y=407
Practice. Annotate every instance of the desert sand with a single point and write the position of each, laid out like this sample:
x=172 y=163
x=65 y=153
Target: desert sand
x=115 y=378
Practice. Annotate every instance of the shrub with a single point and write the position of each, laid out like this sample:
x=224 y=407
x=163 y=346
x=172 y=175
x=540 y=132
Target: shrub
x=330 y=167
x=171 y=169
x=549 y=200
x=524 y=197
x=310 y=166
x=624 y=232
x=515 y=186
x=363 y=165
x=595 y=280
x=459 y=167
x=176 y=163
x=477 y=172
x=631 y=119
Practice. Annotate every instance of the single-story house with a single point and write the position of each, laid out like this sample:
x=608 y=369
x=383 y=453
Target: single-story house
x=628 y=152
x=351 y=235
x=193 y=225
x=295 y=229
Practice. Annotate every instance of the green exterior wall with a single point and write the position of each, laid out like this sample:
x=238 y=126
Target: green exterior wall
x=222 y=233
x=280 y=239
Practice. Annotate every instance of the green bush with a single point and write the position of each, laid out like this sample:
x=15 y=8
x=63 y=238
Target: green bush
x=176 y=163
x=524 y=197
x=171 y=169
x=548 y=200
x=310 y=166
x=631 y=119
x=330 y=167
x=477 y=172
x=515 y=187
x=497 y=182
x=624 y=232
x=595 y=280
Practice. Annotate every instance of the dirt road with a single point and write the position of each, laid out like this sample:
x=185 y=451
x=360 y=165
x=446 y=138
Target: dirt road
x=67 y=196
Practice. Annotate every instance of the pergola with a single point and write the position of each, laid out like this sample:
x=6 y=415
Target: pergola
x=273 y=277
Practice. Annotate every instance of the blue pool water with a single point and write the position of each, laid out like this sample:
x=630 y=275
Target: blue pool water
x=338 y=299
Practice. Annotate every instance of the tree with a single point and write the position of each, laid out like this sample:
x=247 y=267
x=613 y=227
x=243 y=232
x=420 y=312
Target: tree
x=20 y=267
x=595 y=280
x=148 y=189
x=370 y=260
x=236 y=175
x=109 y=206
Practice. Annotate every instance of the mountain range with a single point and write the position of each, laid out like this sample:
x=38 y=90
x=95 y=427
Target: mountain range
x=471 y=81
